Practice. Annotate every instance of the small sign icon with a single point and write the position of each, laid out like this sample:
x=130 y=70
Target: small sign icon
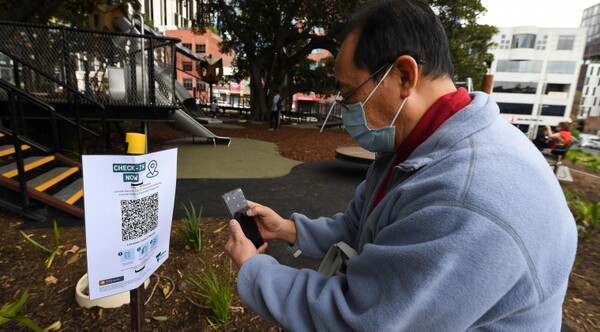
x=152 y=172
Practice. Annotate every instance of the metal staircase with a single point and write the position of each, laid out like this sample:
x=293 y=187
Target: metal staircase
x=35 y=180
x=56 y=77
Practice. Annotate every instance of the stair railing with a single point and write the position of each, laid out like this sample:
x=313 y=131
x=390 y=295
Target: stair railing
x=73 y=93
x=16 y=97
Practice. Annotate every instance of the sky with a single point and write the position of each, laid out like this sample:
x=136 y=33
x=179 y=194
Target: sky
x=540 y=13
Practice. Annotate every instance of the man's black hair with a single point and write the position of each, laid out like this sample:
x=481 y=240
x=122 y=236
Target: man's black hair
x=391 y=28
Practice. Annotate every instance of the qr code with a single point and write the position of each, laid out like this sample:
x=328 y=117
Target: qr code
x=139 y=216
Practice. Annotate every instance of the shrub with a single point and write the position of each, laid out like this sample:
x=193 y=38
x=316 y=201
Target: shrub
x=215 y=289
x=587 y=214
x=581 y=157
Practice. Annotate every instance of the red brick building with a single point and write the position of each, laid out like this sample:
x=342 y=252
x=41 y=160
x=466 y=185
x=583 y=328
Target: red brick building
x=205 y=45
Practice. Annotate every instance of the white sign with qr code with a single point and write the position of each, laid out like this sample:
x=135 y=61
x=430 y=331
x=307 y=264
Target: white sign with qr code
x=128 y=213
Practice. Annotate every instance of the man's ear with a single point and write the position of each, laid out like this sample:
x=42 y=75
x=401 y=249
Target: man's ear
x=408 y=68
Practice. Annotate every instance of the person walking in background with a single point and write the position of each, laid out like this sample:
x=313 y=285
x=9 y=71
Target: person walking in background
x=275 y=109
x=214 y=108
x=459 y=225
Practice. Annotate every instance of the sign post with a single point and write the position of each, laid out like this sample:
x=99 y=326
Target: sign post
x=136 y=145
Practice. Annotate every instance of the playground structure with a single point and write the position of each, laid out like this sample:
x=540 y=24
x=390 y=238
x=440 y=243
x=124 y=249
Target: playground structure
x=56 y=80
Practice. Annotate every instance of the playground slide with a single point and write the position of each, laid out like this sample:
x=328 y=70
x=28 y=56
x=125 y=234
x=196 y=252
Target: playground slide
x=189 y=119
x=185 y=122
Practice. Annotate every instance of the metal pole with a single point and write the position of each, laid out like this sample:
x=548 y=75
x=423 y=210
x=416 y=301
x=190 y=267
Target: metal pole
x=330 y=110
x=142 y=52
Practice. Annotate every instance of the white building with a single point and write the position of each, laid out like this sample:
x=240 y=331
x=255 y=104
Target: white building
x=170 y=14
x=590 y=92
x=535 y=74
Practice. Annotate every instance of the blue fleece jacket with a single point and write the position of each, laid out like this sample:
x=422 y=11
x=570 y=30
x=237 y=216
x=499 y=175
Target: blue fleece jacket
x=474 y=234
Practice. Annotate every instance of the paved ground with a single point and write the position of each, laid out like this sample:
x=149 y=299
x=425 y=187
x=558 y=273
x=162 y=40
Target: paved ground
x=315 y=188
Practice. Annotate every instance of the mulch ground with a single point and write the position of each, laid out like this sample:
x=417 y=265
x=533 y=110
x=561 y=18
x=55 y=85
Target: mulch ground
x=172 y=304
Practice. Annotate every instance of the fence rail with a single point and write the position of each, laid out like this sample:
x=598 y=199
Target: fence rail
x=113 y=69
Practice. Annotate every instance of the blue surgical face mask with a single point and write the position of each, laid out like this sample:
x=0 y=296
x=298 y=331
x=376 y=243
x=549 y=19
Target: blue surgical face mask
x=355 y=122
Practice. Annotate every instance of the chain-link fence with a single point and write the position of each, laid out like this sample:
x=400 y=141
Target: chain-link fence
x=114 y=69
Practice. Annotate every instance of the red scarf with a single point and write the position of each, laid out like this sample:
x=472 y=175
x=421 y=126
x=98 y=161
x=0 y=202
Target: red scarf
x=443 y=108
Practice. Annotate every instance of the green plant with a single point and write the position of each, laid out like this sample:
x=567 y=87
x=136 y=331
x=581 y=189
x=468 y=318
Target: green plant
x=570 y=195
x=53 y=252
x=578 y=156
x=8 y=313
x=587 y=214
x=191 y=230
x=576 y=133
x=216 y=290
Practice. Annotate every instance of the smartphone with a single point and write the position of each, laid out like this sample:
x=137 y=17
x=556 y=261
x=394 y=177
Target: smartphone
x=236 y=204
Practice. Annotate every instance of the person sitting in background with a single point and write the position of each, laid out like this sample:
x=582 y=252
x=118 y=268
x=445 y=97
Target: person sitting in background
x=560 y=139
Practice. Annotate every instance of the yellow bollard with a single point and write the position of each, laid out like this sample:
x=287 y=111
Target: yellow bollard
x=136 y=143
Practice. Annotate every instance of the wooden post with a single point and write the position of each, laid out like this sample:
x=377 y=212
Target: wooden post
x=488 y=83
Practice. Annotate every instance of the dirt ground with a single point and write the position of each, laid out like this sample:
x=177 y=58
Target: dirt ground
x=172 y=306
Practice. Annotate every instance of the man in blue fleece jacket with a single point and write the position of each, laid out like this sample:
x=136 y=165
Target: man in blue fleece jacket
x=460 y=223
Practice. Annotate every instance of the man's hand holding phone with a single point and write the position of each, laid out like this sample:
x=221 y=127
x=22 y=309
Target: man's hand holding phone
x=237 y=206
x=271 y=225
x=245 y=239
x=239 y=247
x=251 y=224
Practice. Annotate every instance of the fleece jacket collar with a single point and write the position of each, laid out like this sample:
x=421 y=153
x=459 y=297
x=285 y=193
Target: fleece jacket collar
x=459 y=127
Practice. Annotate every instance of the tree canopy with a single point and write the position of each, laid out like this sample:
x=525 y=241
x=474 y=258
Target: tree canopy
x=272 y=40
x=469 y=41
x=75 y=12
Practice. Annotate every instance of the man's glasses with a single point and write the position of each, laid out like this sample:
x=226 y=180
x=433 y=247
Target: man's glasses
x=343 y=99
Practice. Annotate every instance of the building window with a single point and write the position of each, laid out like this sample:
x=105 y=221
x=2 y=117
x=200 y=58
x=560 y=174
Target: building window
x=557 y=87
x=200 y=85
x=200 y=48
x=525 y=40
x=187 y=83
x=513 y=108
x=187 y=45
x=187 y=66
x=553 y=110
x=515 y=87
x=565 y=43
x=561 y=67
x=511 y=66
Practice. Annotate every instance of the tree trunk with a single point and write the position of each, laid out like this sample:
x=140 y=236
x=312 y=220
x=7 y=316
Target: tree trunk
x=258 y=102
